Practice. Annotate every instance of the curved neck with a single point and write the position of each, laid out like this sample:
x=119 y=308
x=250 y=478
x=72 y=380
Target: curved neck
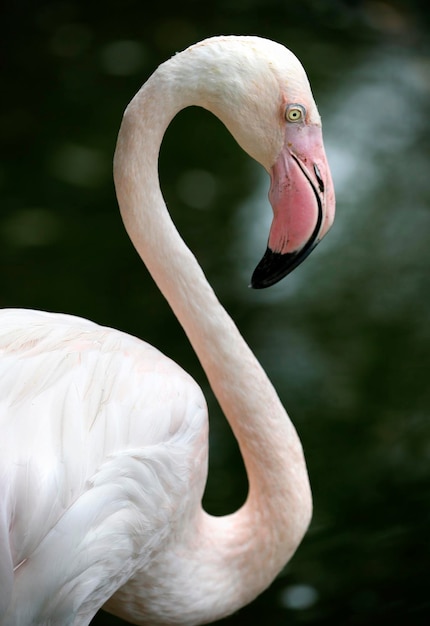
x=254 y=543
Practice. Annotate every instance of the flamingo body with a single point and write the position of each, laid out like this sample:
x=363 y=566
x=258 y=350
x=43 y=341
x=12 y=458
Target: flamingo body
x=93 y=473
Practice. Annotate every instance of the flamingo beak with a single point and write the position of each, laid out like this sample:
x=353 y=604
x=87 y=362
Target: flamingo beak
x=303 y=203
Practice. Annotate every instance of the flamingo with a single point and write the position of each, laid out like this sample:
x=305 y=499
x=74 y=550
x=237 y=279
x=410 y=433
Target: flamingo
x=104 y=440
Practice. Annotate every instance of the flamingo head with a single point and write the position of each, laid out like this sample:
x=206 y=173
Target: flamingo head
x=260 y=90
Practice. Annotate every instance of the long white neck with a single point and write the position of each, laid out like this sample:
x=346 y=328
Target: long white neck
x=253 y=544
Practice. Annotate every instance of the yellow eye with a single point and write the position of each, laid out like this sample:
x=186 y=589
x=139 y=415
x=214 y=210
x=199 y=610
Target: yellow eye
x=295 y=113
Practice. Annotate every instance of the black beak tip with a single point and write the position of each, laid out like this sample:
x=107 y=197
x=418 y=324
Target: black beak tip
x=271 y=269
x=274 y=266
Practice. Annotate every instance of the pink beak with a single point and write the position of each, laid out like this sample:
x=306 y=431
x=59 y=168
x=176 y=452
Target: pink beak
x=303 y=202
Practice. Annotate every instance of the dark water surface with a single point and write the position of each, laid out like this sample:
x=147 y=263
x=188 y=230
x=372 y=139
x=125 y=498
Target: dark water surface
x=345 y=338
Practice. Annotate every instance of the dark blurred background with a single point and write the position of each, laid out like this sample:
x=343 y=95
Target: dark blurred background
x=345 y=338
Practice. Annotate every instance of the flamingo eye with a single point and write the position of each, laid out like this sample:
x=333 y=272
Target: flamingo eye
x=295 y=113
